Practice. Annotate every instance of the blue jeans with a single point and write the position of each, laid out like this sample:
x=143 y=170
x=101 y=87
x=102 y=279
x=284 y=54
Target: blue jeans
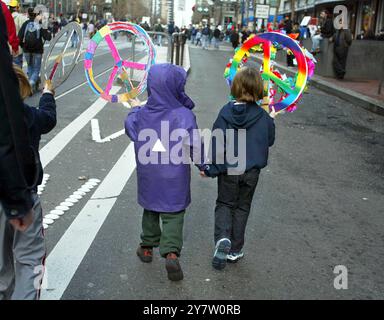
x=215 y=42
x=18 y=60
x=34 y=66
x=316 y=42
x=75 y=40
x=159 y=39
x=204 y=40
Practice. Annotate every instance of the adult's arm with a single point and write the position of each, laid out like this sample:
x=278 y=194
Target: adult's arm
x=15 y=195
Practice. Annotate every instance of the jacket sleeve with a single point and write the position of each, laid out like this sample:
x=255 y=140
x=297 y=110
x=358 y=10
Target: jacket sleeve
x=45 y=115
x=11 y=28
x=271 y=131
x=21 y=33
x=217 y=150
x=195 y=144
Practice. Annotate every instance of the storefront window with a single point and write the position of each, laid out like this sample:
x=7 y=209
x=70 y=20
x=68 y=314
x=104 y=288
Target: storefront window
x=287 y=5
x=368 y=15
x=302 y=3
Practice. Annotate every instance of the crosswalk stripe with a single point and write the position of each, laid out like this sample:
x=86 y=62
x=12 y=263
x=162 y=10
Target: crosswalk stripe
x=67 y=255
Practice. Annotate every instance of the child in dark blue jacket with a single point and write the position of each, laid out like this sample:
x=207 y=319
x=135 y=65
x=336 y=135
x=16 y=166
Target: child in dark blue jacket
x=243 y=133
x=22 y=254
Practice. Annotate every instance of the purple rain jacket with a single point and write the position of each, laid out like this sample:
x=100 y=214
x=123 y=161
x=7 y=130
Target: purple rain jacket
x=164 y=187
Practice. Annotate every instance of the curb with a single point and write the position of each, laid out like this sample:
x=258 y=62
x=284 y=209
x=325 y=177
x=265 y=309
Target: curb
x=361 y=100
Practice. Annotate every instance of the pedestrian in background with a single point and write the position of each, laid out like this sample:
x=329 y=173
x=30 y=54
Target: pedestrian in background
x=164 y=188
x=236 y=186
x=159 y=37
x=32 y=37
x=235 y=39
x=205 y=37
x=216 y=37
x=91 y=29
x=193 y=34
x=19 y=20
x=198 y=37
x=342 y=41
x=326 y=31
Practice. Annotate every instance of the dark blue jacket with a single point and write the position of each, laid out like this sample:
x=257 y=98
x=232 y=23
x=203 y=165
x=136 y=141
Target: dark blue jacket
x=260 y=135
x=40 y=121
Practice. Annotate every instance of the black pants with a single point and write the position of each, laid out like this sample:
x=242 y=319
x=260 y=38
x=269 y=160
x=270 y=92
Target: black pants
x=340 y=55
x=290 y=58
x=233 y=204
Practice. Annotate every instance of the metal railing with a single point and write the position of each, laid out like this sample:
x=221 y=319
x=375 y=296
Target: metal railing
x=177 y=52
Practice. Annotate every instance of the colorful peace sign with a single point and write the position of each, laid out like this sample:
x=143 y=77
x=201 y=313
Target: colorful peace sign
x=292 y=91
x=121 y=66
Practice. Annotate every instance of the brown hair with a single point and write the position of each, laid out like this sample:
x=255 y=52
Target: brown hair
x=247 y=86
x=24 y=86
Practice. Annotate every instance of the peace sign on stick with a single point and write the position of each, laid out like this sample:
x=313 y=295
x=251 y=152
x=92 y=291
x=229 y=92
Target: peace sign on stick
x=58 y=63
x=291 y=88
x=120 y=66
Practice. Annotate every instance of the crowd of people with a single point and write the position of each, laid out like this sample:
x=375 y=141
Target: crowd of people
x=205 y=35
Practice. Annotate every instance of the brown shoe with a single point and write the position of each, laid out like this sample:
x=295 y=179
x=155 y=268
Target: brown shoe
x=173 y=267
x=145 y=254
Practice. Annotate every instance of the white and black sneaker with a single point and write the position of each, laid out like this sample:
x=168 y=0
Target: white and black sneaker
x=233 y=257
x=223 y=246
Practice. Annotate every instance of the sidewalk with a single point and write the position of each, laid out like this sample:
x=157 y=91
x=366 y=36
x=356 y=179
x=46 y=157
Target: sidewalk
x=361 y=92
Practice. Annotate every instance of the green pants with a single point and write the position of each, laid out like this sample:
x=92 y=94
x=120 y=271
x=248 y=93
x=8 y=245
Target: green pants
x=169 y=238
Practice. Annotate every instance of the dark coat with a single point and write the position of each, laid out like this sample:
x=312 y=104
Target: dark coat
x=15 y=196
x=40 y=121
x=260 y=135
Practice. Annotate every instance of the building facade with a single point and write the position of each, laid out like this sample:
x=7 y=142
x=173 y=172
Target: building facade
x=367 y=15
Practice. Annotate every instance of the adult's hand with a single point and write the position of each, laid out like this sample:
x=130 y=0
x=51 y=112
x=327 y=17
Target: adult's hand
x=22 y=224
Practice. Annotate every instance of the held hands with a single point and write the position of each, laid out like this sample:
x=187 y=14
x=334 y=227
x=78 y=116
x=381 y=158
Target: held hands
x=203 y=175
x=22 y=224
x=273 y=113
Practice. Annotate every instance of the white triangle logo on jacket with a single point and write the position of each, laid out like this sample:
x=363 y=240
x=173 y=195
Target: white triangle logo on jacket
x=158 y=147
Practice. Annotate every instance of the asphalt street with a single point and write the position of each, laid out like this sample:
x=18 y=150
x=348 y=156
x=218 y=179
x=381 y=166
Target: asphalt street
x=319 y=203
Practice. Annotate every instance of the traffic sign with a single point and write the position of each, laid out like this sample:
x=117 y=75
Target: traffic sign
x=262 y=11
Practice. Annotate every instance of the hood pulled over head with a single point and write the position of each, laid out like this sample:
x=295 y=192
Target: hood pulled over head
x=166 y=87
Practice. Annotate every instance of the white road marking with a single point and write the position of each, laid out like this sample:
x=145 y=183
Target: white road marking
x=62 y=208
x=58 y=143
x=41 y=187
x=69 y=252
x=96 y=135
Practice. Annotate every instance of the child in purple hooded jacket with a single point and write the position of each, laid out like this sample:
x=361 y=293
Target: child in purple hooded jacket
x=164 y=133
